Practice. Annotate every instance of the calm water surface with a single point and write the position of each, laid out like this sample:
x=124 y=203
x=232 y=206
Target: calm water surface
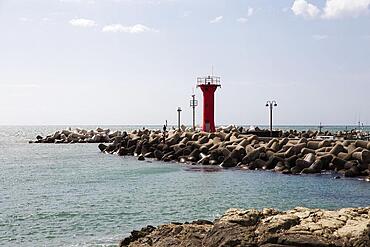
x=72 y=195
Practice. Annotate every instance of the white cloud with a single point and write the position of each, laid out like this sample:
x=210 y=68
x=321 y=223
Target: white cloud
x=118 y=28
x=245 y=19
x=333 y=9
x=250 y=11
x=305 y=9
x=218 y=19
x=320 y=37
x=242 y=20
x=82 y=22
x=345 y=8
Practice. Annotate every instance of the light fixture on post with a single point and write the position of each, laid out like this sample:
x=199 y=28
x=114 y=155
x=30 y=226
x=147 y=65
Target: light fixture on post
x=179 y=117
x=193 y=104
x=271 y=104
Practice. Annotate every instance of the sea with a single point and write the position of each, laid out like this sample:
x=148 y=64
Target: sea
x=74 y=195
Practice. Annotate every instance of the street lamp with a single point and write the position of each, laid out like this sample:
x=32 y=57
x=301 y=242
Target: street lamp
x=179 y=113
x=193 y=104
x=271 y=104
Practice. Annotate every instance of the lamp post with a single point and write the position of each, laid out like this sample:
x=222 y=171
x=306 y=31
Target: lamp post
x=193 y=104
x=179 y=114
x=320 y=128
x=271 y=104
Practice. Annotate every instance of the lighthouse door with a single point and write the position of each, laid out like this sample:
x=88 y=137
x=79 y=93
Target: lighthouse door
x=208 y=126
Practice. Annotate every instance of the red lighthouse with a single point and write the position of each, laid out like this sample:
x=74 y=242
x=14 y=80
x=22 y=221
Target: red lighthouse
x=209 y=86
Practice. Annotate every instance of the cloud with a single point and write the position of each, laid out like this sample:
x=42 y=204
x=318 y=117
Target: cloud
x=250 y=12
x=245 y=19
x=305 y=9
x=118 y=28
x=333 y=9
x=82 y=22
x=345 y=8
x=320 y=37
x=242 y=20
x=218 y=19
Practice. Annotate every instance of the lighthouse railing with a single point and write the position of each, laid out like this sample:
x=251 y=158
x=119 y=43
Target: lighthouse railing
x=209 y=80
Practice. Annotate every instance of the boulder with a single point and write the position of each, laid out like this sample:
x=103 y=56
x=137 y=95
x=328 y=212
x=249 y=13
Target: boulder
x=229 y=162
x=352 y=172
x=158 y=154
x=363 y=156
x=102 y=147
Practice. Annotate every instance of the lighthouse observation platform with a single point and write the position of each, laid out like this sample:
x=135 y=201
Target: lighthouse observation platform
x=209 y=80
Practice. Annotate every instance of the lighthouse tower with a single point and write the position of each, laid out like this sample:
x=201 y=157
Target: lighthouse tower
x=208 y=85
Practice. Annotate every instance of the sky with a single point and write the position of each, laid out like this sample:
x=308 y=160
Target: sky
x=102 y=62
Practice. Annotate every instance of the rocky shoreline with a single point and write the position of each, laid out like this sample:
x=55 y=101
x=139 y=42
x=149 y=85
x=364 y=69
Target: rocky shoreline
x=233 y=149
x=267 y=228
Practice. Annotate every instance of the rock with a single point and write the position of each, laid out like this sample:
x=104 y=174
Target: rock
x=362 y=144
x=141 y=157
x=307 y=151
x=229 y=162
x=325 y=161
x=102 y=147
x=272 y=162
x=257 y=164
x=291 y=161
x=251 y=156
x=268 y=228
x=122 y=151
x=313 y=145
x=306 y=162
x=194 y=155
x=158 y=154
x=352 y=172
x=338 y=163
x=279 y=167
x=363 y=156
x=111 y=148
x=135 y=235
x=296 y=170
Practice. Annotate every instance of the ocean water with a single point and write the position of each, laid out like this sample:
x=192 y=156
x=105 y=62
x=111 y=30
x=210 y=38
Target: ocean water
x=73 y=195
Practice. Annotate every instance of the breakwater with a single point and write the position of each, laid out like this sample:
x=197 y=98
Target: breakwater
x=227 y=149
x=100 y=135
x=293 y=153
x=267 y=228
x=78 y=135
